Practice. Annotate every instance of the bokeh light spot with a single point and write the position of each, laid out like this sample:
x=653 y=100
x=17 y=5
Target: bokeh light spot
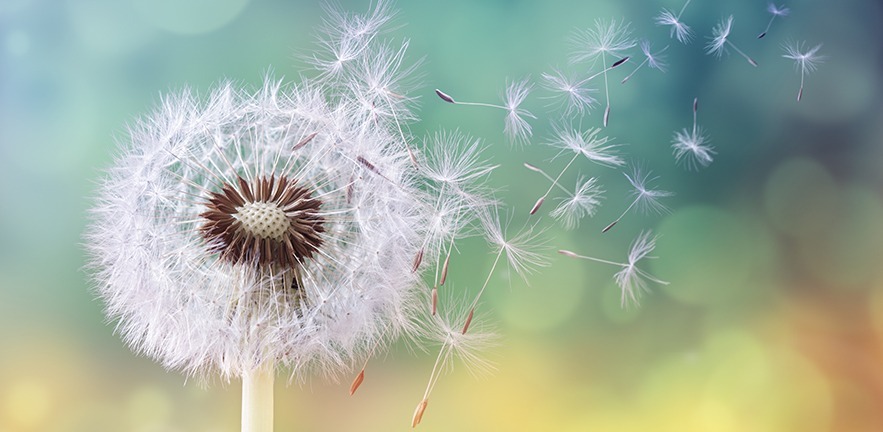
x=107 y=26
x=708 y=255
x=18 y=43
x=189 y=16
x=847 y=253
x=800 y=197
x=551 y=299
x=149 y=407
x=27 y=404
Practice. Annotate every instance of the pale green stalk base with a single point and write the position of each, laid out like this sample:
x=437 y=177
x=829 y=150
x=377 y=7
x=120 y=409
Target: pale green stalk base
x=257 y=400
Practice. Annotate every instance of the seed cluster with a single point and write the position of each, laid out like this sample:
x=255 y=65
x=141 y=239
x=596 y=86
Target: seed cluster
x=269 y=222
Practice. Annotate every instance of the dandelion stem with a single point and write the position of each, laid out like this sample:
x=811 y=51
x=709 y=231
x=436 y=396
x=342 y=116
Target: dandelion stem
x=547 y=176
x=257 y=399
x=606 y=90
x=750 y=60
x=770 y=23
x=636 y=69
x=554 y=182
x=603 y=72
x=481 y=104
x=433 y=378
x=622 y=215
x=402 y=135
x=683 y=8
x=603 y=261
x=800 y=92
x=488 y=279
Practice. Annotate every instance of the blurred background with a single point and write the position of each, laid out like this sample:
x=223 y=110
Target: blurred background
x=773 y=318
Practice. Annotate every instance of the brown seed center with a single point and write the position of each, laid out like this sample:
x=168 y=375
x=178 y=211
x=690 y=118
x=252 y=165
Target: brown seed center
x=263 y=220
x=268 y=222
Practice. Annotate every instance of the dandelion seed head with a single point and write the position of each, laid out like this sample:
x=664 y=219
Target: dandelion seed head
x=647 y=199
x=633 y=281
x=596 y=148
x=778 y=10
x=524 y=250
x=574 y=98
x=805 y=61
x=692 y=148
x=655 y=61
x=516 y=128
x=582 y=203
x=456 y=162
x=606 y=37
x=720 y=33
x=679 y=30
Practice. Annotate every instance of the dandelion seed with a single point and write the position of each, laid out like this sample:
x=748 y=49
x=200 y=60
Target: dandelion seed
x=576 y=99
x=589 y=144
x=456 y=343
x=345 y=37
x=632 y=281
x=719 y=41
x=596 y=148
x=584 y=201
x=775 y=11
x=418 y=413
x=655 y=61
x=522 y=250
x=692 y=146
x=606 y=38
x=444 y=96
x=646 y=199
x=679 y=30
x=380 y=81
x=306 y=140
x=455 y=162
x=805 y=61
x=516 y=128
x=357 y=382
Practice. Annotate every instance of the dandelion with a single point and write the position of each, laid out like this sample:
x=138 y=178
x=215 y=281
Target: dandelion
x=679 y=30
x=692 y=145
x=719 y=41
x=280 y=228
x=632 y=281
x=606 y=38
x=775 y=11
x=516 y=128
x=595 y=148
x=646 y=199
x=805 y=61
x=654 y=61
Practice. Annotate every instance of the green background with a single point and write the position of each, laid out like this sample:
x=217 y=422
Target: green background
x=773 y=320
